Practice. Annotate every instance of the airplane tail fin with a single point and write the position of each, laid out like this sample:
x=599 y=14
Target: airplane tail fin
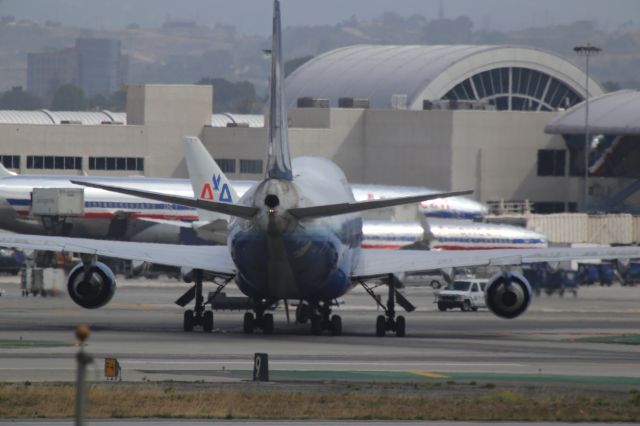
x=278 y=157
x=207 y=179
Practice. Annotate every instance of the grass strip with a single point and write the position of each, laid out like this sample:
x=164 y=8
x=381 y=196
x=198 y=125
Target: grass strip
x=403 y=376
x=624 y=339
x=166 y=401
x=14 y=344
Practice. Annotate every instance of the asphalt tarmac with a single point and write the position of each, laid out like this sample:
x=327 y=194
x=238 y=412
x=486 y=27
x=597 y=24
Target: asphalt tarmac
x=559 y=340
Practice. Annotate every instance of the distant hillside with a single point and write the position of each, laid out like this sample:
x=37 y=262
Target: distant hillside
x=185 y=52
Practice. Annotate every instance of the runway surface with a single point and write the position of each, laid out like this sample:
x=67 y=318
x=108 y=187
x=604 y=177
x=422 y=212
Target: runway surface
x=143 y=329
x=292 y=423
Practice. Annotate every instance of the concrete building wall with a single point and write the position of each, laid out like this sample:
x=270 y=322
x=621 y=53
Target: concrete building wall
x=408 y=147
x=495 y=153
x=167 y=114
x=75 y=140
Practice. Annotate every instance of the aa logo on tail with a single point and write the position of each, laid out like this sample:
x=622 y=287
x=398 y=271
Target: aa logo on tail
x=208 y=192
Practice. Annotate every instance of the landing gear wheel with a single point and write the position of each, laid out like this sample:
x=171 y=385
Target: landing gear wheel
x=466 y=306
x=441 y=307
x=248 y=323
x=381 y=325
x=336 y=325
x=302 y=314
x=267 y=324
x=207 y=321
x=316 y=325
x=187 y=320
x=400 y=326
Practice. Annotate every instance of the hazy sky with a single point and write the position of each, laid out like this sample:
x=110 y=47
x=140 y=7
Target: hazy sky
x=252 y=16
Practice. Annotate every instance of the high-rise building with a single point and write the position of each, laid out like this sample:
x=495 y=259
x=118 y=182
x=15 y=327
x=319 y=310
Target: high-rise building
x=99 y=65
x=96 y=65
x=47 y=71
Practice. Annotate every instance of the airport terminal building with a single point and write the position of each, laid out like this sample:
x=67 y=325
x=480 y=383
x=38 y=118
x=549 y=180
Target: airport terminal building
x=449 y=117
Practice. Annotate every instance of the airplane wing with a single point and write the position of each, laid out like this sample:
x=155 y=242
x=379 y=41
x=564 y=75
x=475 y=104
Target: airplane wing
x=208 y=258
x=383 y=262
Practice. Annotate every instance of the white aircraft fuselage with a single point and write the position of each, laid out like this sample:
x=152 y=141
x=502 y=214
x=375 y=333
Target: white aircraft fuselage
x=279 y=256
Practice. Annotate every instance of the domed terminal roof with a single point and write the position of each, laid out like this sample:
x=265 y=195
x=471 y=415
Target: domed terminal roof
x=616 y=113
x=508 y=77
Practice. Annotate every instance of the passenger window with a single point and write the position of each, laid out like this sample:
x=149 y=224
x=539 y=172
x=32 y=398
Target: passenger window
x=474 y=287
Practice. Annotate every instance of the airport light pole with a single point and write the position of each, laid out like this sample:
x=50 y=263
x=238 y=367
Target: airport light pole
x=587 y=51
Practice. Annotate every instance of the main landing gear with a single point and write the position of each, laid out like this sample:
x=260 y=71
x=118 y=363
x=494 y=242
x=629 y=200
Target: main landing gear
x=319 y=315
x=199 y=316
x=260 y=319
x=389 y=321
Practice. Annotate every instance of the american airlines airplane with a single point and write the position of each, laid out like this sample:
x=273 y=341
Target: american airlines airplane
x=130 y=218
x=296 y=235
x=108 y=215
x=448 y=235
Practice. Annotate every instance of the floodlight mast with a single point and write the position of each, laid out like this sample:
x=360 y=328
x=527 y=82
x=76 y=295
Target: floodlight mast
x=587 y=51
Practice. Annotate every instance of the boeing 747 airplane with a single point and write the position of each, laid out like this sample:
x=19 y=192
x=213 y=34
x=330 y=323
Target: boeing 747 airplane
x=297 y=235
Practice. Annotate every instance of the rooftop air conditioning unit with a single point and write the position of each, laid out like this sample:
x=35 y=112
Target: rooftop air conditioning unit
x=308 y=102
x=353 y=103
x=399 y=101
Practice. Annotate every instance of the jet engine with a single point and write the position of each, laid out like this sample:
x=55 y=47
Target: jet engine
x=91 y=286
x=508 y=294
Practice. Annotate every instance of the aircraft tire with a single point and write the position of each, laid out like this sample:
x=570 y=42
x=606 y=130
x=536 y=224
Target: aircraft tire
x=381 y=323
x=207 y=321
x=336 y=325
x=302 y=315
x=316 y=325
x=187 y=320
x=267 y=323
x=400 y=326
x=248 y=323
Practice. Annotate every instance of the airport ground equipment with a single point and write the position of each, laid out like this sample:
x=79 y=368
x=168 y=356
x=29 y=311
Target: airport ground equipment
x=630 y=274
x=11 y=261
x=466 y=294
x=261 y=367
x=54 y=206
x=112 y=369
x=42 y=281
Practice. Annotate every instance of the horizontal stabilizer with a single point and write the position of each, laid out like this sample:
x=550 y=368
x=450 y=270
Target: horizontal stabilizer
x=245 y=212
x=343 y=208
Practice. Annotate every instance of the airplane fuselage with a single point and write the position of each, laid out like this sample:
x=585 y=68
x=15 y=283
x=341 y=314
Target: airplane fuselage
x=280 y=257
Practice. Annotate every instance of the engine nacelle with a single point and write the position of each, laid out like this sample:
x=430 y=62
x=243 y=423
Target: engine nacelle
x=93 y=287
x=508 y=295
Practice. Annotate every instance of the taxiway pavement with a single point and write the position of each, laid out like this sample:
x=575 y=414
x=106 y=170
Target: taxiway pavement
x=142 y=328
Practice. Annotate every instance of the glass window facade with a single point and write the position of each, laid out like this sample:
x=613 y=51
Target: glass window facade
x=10 y=161
x=251 y=166
x=227 y=165
x=54 y=162
x=551 y=162
x=516 y=89
x=116 y=163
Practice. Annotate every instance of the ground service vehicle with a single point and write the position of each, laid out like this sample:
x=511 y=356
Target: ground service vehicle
x=468 y=295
